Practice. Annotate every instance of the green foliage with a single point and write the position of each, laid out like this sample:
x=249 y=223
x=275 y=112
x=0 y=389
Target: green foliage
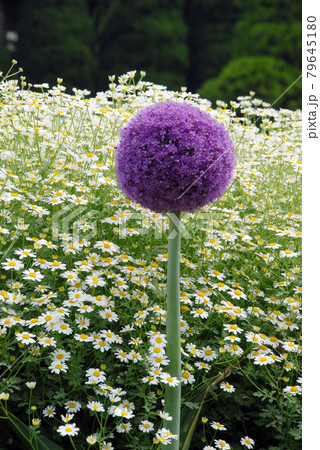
x=178 y=43
x=4 y=57
x=27 y=435
x=258 y=37
x=149 y=36
x=276 y=11
x=269 y=77
x=219 y=33
x=272 y=28
x=57 y=40
x=209 y=37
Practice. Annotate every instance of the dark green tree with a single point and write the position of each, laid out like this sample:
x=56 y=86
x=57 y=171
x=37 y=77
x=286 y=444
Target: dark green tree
x=269 y=77
x=5 y=57
x=265 y=54
x=56 y=39
x=269 y=27
x=5 y=61
x=210 y=34
x=145 y=35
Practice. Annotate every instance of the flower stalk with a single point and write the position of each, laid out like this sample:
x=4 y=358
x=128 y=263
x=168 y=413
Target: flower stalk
x=173 y=394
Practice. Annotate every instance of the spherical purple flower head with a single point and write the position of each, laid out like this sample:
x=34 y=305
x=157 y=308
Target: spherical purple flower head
x=172 y=156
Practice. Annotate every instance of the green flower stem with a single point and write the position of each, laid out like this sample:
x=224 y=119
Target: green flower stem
x=173 y=394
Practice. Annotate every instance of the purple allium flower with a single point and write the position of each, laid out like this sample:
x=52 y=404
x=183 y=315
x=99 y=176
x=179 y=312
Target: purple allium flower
x=172 y=156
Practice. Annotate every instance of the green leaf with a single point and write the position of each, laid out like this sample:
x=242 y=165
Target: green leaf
x=51 y=445
x=29 y=439
x=191 y=405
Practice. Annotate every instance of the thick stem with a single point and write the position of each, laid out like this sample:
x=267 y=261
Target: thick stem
x=173 y=394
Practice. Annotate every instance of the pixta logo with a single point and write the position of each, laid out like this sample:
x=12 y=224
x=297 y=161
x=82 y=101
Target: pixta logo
x=76 y=221
x=158 y=228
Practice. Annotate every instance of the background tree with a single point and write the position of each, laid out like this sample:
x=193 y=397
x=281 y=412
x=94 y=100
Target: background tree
x=145 y=35
x=267 y=76
x=177 y=42
x=269 y=27
x=56 y=39
x=5 y=57
x=265 y=55
x=210 y=33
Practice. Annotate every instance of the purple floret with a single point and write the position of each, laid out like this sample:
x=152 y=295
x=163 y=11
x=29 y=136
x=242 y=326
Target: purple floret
x=172 y=156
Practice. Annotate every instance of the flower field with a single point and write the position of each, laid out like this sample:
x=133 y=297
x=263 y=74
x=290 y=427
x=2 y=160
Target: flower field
x=83 y=280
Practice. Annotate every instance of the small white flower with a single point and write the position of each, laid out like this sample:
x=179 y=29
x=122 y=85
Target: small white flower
x=165 y=436
x=227 y=387
x=247 y=442
x=287 y=254
x=220 y=444
x=95 y=376
x=67 y=417
x=13 y=263
x=208 y=354
x=92 y=439
x=124 y=428
x=96 y=406
x=164 y=415
x=166 y=378
x=56 y=367
x=146 y=426
x=292 y=390
x=263 y=360
x=70 y=429
x=217 y=426
x=25 y=337
x=49 y=411
x=32 y=275
x=72 y=406
x=199 y=312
